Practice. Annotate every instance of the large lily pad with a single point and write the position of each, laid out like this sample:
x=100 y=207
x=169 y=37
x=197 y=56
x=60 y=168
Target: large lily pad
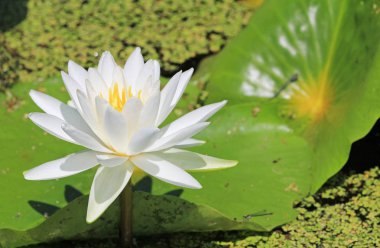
x=316 y=64
x=317 y=60
x=303 y=84
x=24 y=145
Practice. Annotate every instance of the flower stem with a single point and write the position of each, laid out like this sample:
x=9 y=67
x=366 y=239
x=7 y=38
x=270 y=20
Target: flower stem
x=126 y=239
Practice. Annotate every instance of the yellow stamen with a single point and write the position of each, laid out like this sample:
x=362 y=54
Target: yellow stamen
x=130 y=92
x=114 y=98
x=124 y=96
x=118 y=99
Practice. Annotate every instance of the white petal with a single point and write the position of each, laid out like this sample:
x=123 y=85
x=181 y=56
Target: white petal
x=144 y=76
x=85 y=105
x=149 y=111
x=156 y=70
x=151 y=88
x=167 y=95
x=88 y=110
x=165 y=171
x=78 y=73
x=110 y=160
x=115 y=127
x=72 y=86
x=57 y=108
x=194 y=161
x=50 y=105
x=118 y=77
x=50 y=124
x=184 y=80
x=131 y=111
x=101 y=106
x=173 y=139
x=142 y=139
x=106 y=187
x=90 y=91
x=97 y=82
x=106 y=67
x=84 y=139
x=133 y=67
x=199 y=115
x=189 y=143
x=100 y=64
x=63 y=167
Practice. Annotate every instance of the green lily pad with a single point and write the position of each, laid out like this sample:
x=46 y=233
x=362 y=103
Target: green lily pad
x=23 y=146
x=302 y=82
x=318 y=60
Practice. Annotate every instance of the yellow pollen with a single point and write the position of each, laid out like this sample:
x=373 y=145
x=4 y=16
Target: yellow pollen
x=114 y=98
x=117 y=99
x=130 y=92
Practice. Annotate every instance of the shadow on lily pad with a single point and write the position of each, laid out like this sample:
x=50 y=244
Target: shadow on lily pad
x=71 y=193
x=152 y=215
x=47 y=209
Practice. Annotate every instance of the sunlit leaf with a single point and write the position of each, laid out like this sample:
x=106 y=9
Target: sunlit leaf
x=303 y=83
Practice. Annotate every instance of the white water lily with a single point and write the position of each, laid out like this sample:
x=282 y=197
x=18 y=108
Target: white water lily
x=116 y=114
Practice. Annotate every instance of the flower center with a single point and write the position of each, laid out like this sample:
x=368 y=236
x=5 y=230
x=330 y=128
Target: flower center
x=117 y=98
